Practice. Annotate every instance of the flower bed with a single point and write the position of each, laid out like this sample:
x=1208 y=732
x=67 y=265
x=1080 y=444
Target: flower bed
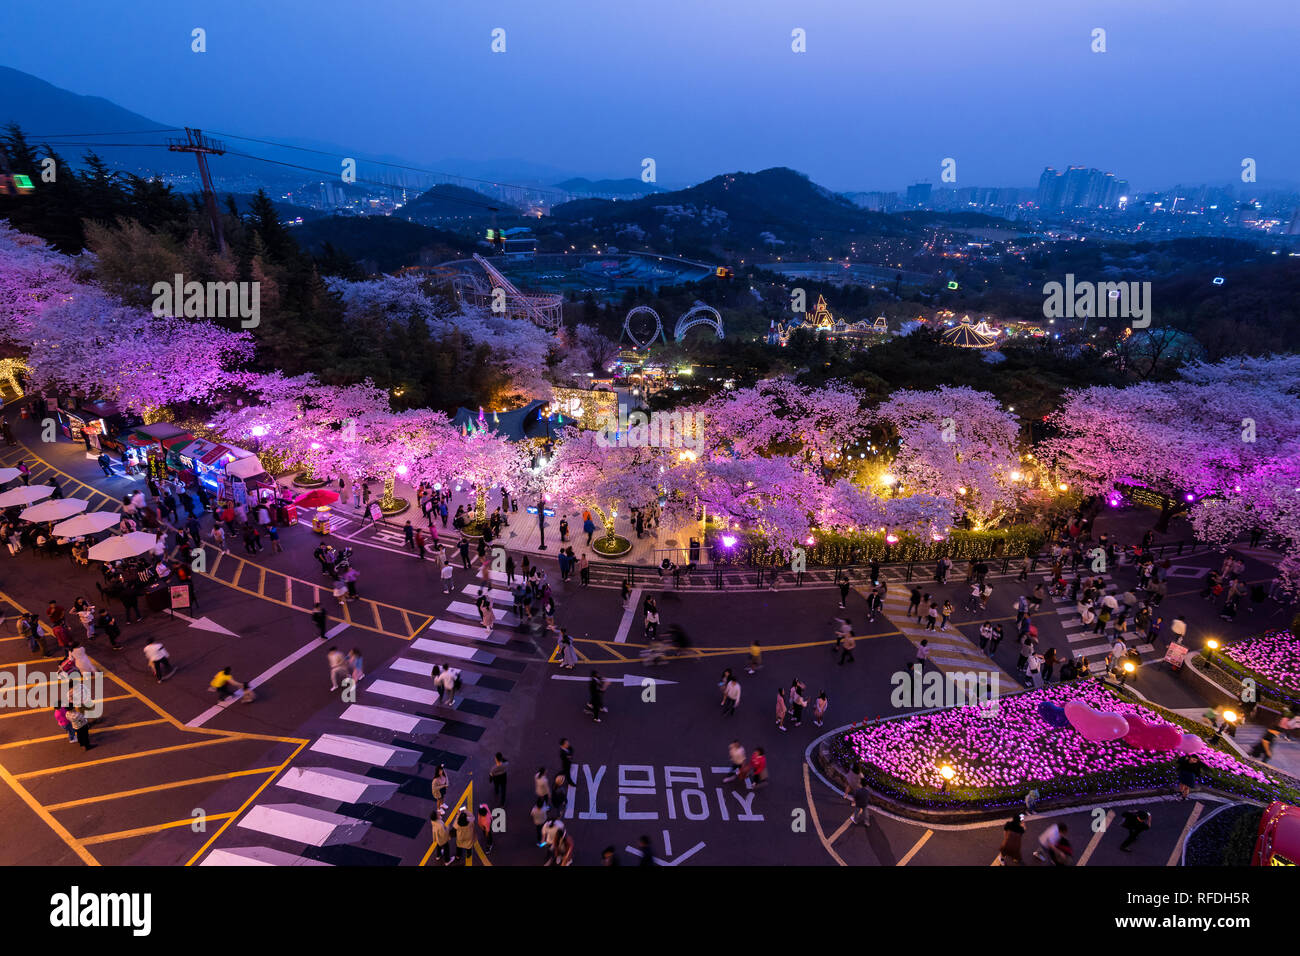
x=1272 y=659
x=998 y=759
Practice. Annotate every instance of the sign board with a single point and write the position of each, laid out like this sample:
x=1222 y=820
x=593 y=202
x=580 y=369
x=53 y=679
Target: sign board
x=1174 y=654
x=376 y=512
x=532 y=510
x=180 y=595
x=239 y=491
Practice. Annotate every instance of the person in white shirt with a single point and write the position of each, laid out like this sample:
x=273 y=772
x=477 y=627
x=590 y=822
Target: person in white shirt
x=159 y=661
x=1179 y=628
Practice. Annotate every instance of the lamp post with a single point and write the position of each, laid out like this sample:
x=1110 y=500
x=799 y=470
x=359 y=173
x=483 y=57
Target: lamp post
x=1211 y=646
x=1127 y=670
x=541 y=521
x=947 y=773
x=1230 y=719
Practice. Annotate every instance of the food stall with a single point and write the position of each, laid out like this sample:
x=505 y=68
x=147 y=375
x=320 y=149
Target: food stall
x=147 y=446
x=106 y=426
x=204 y=462
x=246 y=481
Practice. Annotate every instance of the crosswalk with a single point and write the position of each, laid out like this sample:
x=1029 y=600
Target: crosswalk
x=949 y=650
x=1082 y=639
x=364 y=782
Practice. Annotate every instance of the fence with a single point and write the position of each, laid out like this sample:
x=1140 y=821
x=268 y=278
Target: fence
x=691 y=576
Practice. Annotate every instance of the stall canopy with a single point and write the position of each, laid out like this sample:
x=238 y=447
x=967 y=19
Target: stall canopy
x=245 y=468
x=179 y=443
x=159 y=431
x=205 y=452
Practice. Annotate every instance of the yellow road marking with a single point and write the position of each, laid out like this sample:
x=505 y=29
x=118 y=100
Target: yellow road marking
x=840 y=832
x=41 y=710
x=1091 y=848
x=466 y=795
x=817 y=825
x=261 y=582
x=925 y=838
x=59 y=829
x=1182 y=837
x=45 y=740
x=35 y=660
x=119 y=757
x=253 y=796
x=155 y=828
x=174 y=785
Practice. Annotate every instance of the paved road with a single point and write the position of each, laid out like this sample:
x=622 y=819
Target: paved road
x=302 y=776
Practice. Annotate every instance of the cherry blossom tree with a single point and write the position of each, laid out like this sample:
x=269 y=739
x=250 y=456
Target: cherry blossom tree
x=588 y=472
x=1184 y=440
x=957 y=445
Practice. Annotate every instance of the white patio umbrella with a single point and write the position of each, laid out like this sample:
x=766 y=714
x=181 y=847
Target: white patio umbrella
x=55 y=510
x=26 y=495
x=91 y=523
x=8 y=474
x=123 y=546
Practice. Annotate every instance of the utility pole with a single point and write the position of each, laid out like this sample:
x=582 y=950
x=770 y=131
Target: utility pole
x=195 y=142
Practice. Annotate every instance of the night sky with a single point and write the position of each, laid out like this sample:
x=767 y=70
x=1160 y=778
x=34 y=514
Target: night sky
x=885 y=91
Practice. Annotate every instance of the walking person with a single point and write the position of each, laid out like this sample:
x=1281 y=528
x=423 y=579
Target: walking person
x=439 y=836
x=484 y=816
x=847 y=644
x=1013 y=833
x=463 y=834
x=568 y=653
x=497 y=775
x=844 y=592
x=596 y=688
x=80 y=723
x=584 y=570
x=438 y=787
x=319 y=618
x=338 y=666
x=159 y=662
x=730 y=696
x=1136 y=822
x=538 y=815
x=781 y=710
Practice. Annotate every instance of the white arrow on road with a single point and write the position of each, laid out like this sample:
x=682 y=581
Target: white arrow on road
x=685 y=856
x=629 y=680
x=204 y=624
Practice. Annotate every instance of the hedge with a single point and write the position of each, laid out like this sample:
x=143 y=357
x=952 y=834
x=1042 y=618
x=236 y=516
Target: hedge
x=834 y=548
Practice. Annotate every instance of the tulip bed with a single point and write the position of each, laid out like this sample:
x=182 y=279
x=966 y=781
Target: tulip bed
x=997 y=760
x=1272 y=659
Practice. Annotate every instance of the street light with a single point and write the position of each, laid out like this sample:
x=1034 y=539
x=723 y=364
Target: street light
x=1126 y=671
x=1211 y=646
x=947 y=773
x=1230 y=719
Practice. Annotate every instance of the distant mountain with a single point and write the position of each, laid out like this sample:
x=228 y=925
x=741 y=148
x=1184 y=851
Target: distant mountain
x=775 y=209
x=42 y=109
x=582 y=188
x=382 y=243
x=446 y=202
